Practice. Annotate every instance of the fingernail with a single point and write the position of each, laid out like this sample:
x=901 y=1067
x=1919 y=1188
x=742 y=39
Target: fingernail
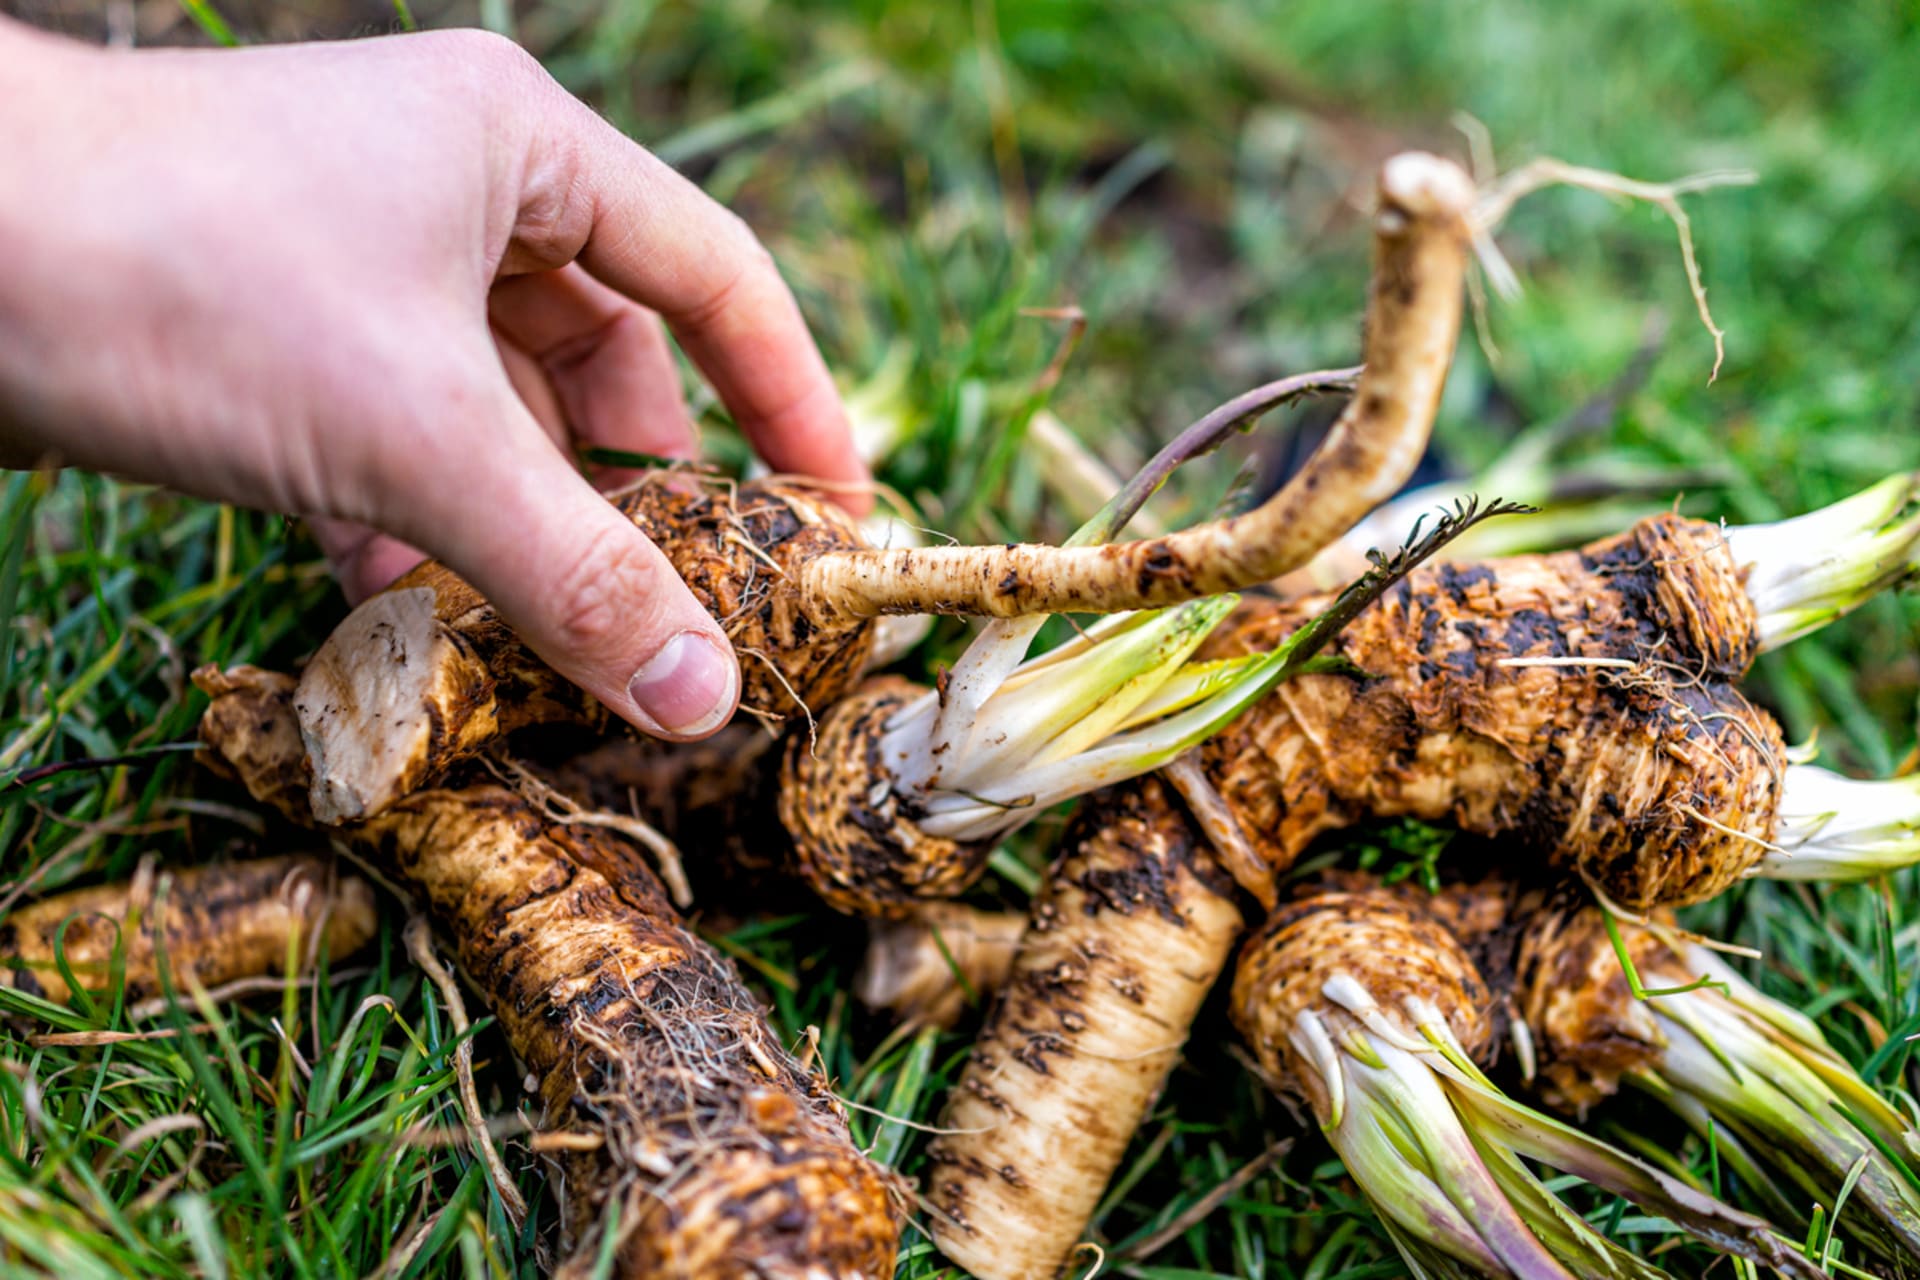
x=688 y=687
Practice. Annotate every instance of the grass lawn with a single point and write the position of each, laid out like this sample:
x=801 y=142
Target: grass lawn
x=930 y=176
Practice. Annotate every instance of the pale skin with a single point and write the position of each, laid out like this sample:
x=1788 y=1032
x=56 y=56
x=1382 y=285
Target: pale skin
x=390 y=286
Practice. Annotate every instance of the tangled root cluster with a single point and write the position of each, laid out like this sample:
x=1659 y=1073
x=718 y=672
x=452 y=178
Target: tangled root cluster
x=1600 y=726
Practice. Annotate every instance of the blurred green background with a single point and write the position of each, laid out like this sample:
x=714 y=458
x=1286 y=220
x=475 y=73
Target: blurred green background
x=1191 y=177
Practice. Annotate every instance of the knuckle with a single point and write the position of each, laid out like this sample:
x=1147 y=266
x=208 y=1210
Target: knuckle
x=489 y=53
x=742 y=264
x=555 y=216
x=752 y=254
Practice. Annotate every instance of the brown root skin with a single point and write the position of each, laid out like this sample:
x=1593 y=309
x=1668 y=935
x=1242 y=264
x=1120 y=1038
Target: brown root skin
x=1581 y=701
x=214 y=924
x=425 y=674
x=734 y=1159
x=1421 y=243
x=1589 y=1029
x=855 y=838
x=727 y=1157
x=1379 y=936
x=1131 y=930
x=249 y=733
x=929 y=967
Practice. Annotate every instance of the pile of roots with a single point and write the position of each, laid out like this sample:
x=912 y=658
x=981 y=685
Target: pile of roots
x=1577 y=711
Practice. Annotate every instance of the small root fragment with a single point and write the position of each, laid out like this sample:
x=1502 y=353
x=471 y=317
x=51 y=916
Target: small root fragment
x=228 y=925
x=929 y=967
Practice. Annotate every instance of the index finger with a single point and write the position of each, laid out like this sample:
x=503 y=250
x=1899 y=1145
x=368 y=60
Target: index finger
x=656 y=237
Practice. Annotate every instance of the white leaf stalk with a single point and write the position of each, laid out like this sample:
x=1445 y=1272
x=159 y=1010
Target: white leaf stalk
x=1763 y=1073
x=1004 y=739
x=879 y=410
x=1120 y=701
x=1834 y=827
x=997 y=652
x=1804 y=572
x=1442 y=1154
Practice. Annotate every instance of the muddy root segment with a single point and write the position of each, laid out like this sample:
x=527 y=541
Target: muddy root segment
x=1582 y=701
x=663 y=1091
x=856 y=841
x=218 y=924
x=1132 y=928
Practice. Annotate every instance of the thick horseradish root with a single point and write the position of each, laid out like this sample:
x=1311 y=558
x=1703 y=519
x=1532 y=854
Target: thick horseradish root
x=1370 y=1011
x=1582 y=701
x=1132 y=928
x=425 y=673
x=676 y=1114
x=214 y=925
x=1755 y=1076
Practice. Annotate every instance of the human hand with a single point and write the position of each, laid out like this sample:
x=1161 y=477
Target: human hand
x=386 y=285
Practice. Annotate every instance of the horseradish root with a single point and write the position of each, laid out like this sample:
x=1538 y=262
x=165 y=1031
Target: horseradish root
x=902 y=792
x=664 y=1091
x=1723 y=1056
x=1132 y=928
x=927 y=968
x=728 y=1157
x=425 y=673
x=1367 y=1009
x=215 y=924
x=1422 y=234
x=1582 y=701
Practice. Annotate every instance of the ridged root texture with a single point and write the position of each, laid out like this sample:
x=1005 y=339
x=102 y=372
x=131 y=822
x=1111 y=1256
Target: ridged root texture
x=425 y=674
x=216 y=924
x=1589 y=1029
x=855 y=838
x=1581 y=701
x=727 y=1157
x=1381 y=939
x=1132 y=928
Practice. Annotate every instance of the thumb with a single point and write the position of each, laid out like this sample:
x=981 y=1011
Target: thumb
x=576 y=580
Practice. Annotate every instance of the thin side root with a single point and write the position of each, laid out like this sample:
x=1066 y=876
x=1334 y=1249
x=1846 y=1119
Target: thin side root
x=1500 y=197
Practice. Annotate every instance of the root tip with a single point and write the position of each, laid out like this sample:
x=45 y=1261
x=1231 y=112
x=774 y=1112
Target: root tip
x=1423 y=185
